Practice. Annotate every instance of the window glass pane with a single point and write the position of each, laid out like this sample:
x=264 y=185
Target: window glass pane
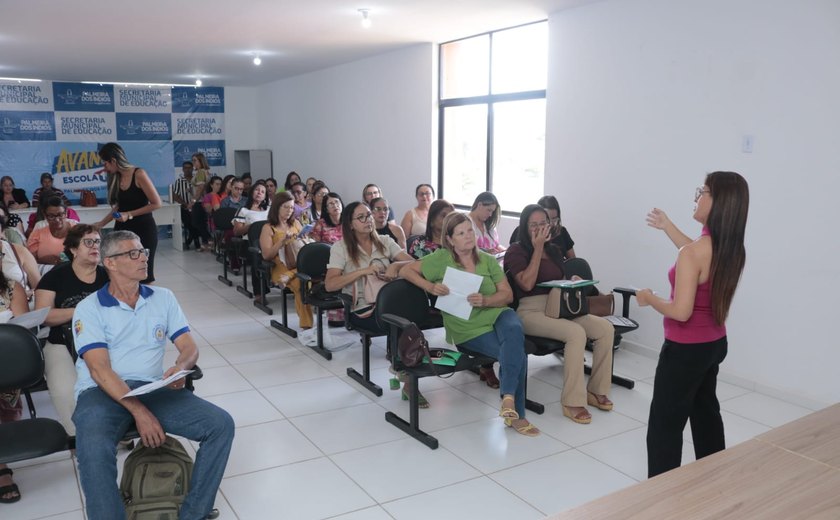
x=520 y=59
x=465 y=153
x=518 y=153
x=465 y=67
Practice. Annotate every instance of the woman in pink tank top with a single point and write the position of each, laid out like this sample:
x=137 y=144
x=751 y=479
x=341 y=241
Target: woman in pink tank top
x=703 y=282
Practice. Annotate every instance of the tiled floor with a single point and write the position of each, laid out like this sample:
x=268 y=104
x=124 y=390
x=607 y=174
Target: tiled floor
x=311 y=443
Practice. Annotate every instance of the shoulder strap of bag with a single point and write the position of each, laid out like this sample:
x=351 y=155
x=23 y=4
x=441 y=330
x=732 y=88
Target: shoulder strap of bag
x=20 y=265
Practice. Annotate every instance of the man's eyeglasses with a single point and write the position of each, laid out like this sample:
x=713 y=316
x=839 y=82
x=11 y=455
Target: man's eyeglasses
x=134 y=254
x=381 y=209
x=362 y=218
x=55 y=217
x=90 y=242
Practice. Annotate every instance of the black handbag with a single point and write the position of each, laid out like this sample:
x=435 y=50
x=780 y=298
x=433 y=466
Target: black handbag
x=567 y=303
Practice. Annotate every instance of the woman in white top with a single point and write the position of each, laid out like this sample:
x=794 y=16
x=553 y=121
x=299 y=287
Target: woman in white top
x=414 y=221
x=254 y=211
x=19 y=265
x=485 y=214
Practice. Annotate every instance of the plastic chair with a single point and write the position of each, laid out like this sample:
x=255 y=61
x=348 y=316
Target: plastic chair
x=223 y=222
x=312 y=263
x=21 y=367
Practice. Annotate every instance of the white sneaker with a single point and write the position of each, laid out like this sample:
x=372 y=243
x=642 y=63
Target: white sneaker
x=308 y=338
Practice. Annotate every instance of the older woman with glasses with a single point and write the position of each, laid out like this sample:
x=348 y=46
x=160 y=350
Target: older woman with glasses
x=328 y=229
x=301 y=203
x=380 y=209
x=47 y=243
x=372 y=191
x=61 y=290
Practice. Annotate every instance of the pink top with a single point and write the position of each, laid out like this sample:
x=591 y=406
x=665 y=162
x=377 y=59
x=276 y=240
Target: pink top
x=700 y=326
x=326 y=234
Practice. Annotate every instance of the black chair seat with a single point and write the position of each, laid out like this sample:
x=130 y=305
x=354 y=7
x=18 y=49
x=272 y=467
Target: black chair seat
x=31 y=438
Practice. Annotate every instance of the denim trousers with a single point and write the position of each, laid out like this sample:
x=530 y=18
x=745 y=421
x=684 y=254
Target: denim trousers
x=102 y=422
x=506 y=343
x=684 y=389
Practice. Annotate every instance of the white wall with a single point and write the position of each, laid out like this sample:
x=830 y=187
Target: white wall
x=366 y=121
x=645 y=97
x=241 y=122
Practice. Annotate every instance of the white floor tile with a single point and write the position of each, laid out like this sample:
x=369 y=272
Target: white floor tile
x=348 y=428
x=247 y=408
x=633 y=403
x=221 y=380
x=370 y=513
x=603 y=425
x=562 y=481
x=221 y=334
x=309 y=490
x=268 y=445
x=45 y=489
x=238 y=353
x=281 y=371
x=764 y=409
x=477 y=498
x=448 y=407
x=314 y=396
x=491 y=446
x=402 y=468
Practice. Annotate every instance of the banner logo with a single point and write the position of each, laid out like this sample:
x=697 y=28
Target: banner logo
x=214 y=151
x=144 y=127
x=75 y=171
x=27 y=126
x=143 y=100
x=201 y=99
x=83 y=97
x=196 y=127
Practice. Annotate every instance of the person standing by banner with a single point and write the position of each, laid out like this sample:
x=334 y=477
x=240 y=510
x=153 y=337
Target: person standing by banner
x=133 y=198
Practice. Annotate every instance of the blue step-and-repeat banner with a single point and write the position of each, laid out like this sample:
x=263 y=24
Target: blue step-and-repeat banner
x=58 y=127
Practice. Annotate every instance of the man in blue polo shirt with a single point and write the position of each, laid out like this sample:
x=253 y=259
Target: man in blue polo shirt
x=120 y=334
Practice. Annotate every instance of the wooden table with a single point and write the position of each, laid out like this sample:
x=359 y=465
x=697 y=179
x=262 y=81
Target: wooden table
x=167 y=215
x=790 y=472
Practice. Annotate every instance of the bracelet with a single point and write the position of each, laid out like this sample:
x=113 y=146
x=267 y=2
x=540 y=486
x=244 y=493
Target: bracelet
x=130 y=216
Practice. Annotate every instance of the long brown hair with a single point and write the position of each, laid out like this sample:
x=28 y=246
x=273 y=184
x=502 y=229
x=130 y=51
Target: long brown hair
x=274 y=210
x=452 y=221
x=114 y=151
x=349 y=236
x=726 y=222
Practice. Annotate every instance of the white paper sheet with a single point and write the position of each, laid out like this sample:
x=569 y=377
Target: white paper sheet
x=31 y=319
x=151 y=387
x=461 y=284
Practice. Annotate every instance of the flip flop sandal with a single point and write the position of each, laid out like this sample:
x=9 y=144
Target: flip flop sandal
x=421 y=401
x=11 y=488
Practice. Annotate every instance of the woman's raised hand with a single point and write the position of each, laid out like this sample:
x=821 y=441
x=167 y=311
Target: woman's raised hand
x=540 y=235
x=657 y=219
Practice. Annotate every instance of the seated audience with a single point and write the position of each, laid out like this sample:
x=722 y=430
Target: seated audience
x=493 y=329
x=533 y=260
x=227 y=186
x=235 y=199
x=47 y=243
x=317 y=193
x=485 y=214
x=47 y=186
x=13 y=198
x=271 y=186
x=302 y=203
x=310 y=181
x=120 y=334
x=12 y=303
x=37 y=219
x=429 y=242
x=61 y=290
x=277 y=243
x=255 y=210
x=372 y=191
x=414 y=221
x=291 y=179
x=559 y=233
x=380 y=209
x=12 y=226
x=19 y=265
x=247 y=180
x=328 y=228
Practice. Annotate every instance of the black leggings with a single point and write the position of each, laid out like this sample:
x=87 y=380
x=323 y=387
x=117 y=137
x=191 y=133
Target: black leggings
x=684 y=389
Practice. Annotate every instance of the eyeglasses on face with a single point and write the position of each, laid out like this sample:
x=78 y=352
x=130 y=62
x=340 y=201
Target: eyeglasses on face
x=364 y=217
x=538 y=225
x=372 y=193
x=56 y=216
x=134 y=254
x=334 y=204
x=298 y=192
x=381 y=209
x=90 y=242
x=425 y=194
x=699 y=192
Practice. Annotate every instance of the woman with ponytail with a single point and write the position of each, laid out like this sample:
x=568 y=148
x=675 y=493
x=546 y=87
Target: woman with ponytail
x=703 y=282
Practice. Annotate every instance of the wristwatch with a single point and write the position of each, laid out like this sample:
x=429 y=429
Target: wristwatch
x=130 y=216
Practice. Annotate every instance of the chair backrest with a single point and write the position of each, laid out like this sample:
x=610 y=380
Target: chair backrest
x=514 y=237
x=254 y=233
x=580 y=267
x=21 y=358
x=404 y=299
x=313 y=258
x=223 y=218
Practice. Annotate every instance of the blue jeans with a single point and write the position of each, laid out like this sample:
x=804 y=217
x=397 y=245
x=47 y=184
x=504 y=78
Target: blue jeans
x=506 y=343
x=101 y=422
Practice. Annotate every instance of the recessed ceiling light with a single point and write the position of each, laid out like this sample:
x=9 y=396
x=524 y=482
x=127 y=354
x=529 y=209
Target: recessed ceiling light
x=257 y=60
x=366 y=22
x=198 y=82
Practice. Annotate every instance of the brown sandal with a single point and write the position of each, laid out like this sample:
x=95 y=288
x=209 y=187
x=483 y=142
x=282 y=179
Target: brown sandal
x=600 y=402
x=489 y=376
x=582 y=417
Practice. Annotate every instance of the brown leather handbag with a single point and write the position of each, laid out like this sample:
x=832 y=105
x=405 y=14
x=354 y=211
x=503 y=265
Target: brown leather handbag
x=87 y=199
x=412 y=346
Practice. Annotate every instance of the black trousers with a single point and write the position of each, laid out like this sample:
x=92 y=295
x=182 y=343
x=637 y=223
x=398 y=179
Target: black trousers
x=684 y=390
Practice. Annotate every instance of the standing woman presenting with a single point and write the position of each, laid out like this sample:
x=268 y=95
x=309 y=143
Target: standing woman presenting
x=703 y=282
x=133 y=198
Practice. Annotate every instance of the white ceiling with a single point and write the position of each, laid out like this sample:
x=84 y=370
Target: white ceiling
x=176 y=41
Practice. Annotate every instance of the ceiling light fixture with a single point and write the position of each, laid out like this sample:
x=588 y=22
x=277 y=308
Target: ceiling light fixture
x=146 y=85
x=257 y=60
x=366 y=22
x=198 y=82
x=19 y=80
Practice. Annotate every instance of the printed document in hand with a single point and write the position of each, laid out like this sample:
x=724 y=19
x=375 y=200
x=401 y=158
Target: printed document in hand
x=32 y=319
x=461 y=284
x=151 y=387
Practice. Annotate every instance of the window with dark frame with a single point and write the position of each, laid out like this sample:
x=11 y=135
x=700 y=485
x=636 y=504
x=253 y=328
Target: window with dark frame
x=492 y=116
